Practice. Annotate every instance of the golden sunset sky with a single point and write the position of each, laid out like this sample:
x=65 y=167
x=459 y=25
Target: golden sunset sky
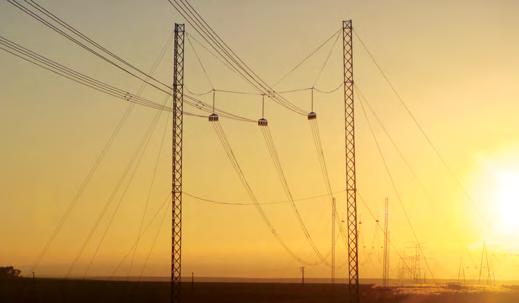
x=454 y=63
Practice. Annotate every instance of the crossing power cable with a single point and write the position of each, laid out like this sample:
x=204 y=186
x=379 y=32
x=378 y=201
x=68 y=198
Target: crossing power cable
x=191 y=38
x=331 y=91
x=144 y=230
x=417 y=123
x=403 y=158
x=82 y=41
x=222 y=138
x=128 y=170
x=216 y=45
x=372 y=214
x=222 y=49
x=150 y=189
x=241 y=64
x=246 y=203
x=59 y=69
x=305 y=59
x=71 y=74
x=330 y=52
x=86 y=181
x=269 y=142
x=324 y=172
x=83 y=185
x=142 y=150
x=393 y=185
x=152 y=247
x=200 y=62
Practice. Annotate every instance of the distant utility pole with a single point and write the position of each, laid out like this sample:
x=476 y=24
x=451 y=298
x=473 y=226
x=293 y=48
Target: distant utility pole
x=385 y=273
x=333 y=239
x=351 y=176
x=302 y=275
x=176 y=191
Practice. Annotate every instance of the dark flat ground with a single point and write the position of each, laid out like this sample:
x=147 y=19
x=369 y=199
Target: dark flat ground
x=52 y=290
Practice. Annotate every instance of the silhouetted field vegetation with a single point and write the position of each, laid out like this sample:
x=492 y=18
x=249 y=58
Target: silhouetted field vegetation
x=54 y=290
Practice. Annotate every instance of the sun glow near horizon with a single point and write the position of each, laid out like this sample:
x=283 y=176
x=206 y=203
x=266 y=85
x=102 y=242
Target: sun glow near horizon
x=507 y=200
x=497 y=193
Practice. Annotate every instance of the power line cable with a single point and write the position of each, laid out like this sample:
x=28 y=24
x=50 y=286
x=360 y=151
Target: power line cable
x=150 y=222
x=246 y=203
x=93 y=170
x=213 y=39
x=143 y=148
x=305 y=59
x=222 y=138
x=198 y=94
x=216 y=45
x=190 y=37
x=324 y=172
x=103 y=87
x=416 y=122
x=326 y=61
x=193 y=38
x=200 y=63
x=83 y=185
x=45 y=63
x=295 y=90
x=157 y=84
x=136 y=73
x=393 y=184
x=152 y=247
x=152 y=183
x=114 y=192
x=370 y=212
x=269 y=142
x=333 y=90
x=402 y=156
x=276 y=97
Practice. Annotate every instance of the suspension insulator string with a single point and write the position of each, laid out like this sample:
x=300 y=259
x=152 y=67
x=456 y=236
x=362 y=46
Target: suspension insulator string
x=214 y=97
x=312 y=115
x=262 y=121
x=312 y=99
x=214 y=116
x=262 y=105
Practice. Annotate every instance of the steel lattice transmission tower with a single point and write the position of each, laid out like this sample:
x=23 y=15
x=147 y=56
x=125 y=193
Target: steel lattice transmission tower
x=351 y=181
x=176 y=193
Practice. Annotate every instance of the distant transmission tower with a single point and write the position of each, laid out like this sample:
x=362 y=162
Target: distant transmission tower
x=417 y=270
x=351 y=178
x=461 y=272
x=482 y=266
x=176 y=193
x=385 y=273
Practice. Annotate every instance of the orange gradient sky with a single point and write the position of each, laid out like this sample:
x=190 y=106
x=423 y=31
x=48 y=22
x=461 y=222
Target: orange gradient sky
x=454 y=63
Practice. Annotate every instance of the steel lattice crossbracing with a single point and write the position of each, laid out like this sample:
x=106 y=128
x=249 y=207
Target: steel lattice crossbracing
x=178 y=96
x=351 y=187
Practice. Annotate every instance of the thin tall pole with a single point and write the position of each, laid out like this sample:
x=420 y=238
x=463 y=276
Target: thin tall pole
x=385 y=274
x=333 y=238
x=351 y=178
x=176 y=193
